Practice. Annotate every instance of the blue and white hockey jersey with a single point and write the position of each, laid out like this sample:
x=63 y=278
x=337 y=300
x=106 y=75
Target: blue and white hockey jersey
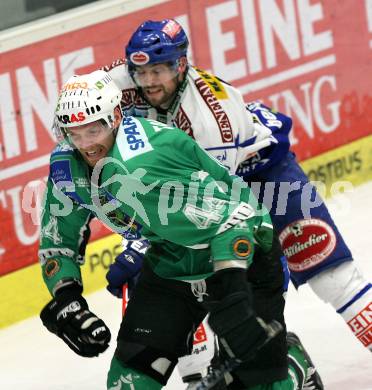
x=215 y=115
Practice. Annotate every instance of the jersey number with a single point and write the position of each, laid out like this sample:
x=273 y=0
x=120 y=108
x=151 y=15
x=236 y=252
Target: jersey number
x=202 y=218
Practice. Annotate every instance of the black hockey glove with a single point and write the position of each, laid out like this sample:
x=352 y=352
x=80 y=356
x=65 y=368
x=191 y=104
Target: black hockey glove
x=68 y=316
x=241 y=333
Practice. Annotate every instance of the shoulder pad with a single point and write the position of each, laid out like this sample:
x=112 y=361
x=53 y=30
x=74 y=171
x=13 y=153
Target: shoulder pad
x=214 y=83
x=63 y=148
x=118 y=71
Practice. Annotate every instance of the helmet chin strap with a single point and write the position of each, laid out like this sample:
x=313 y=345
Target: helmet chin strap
x=180 y=77
x=115 y=130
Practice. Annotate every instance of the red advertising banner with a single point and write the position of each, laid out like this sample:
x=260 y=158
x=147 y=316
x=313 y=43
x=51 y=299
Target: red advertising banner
x=310 y=59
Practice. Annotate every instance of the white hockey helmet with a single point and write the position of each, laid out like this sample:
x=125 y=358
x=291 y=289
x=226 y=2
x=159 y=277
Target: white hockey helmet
x=85 y=99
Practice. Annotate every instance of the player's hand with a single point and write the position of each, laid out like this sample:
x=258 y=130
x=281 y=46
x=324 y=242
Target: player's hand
x=68 y=316
x=126 y=268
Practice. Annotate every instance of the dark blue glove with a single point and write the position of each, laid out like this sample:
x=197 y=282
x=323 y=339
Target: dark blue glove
x=126 y=268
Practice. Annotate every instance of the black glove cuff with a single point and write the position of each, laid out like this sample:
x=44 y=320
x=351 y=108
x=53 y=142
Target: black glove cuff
x=68 y=284
x=226 y=282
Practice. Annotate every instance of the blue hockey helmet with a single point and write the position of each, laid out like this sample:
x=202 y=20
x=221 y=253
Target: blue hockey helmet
x=156 y=42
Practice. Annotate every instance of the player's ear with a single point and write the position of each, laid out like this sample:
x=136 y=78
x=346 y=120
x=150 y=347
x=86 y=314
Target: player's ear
x=182 y=64
x=117 y=117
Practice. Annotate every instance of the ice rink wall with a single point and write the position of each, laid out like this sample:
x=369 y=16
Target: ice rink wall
x=309 y=59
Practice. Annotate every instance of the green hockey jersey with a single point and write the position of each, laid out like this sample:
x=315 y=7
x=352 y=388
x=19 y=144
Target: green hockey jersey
x=155 y=183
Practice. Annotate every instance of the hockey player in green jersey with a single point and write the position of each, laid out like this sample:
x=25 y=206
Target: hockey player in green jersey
x=212 y=247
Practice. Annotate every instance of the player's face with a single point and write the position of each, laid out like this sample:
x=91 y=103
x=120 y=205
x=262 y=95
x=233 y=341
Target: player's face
x=93 y=140
x=159 y=83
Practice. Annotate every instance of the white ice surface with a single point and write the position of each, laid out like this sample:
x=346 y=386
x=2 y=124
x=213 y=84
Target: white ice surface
x=33 y=359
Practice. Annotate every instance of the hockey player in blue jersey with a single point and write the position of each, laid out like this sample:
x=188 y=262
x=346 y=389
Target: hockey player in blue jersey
x=251 y=140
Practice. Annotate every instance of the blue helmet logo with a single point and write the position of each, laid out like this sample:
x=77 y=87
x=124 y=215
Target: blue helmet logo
x=139 y=58
x=156 y=42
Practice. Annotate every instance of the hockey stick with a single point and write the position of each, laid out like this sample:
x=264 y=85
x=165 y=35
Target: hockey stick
x=124 y=299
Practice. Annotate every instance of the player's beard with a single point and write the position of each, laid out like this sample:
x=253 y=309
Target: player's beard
x=161 y=96
x=95 y=153
x=99 y=152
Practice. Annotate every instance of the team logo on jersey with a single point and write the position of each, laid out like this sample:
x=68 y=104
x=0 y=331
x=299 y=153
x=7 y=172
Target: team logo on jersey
x=52 y=266
x=306 y=243
x=139 y=58
x=242 y=248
